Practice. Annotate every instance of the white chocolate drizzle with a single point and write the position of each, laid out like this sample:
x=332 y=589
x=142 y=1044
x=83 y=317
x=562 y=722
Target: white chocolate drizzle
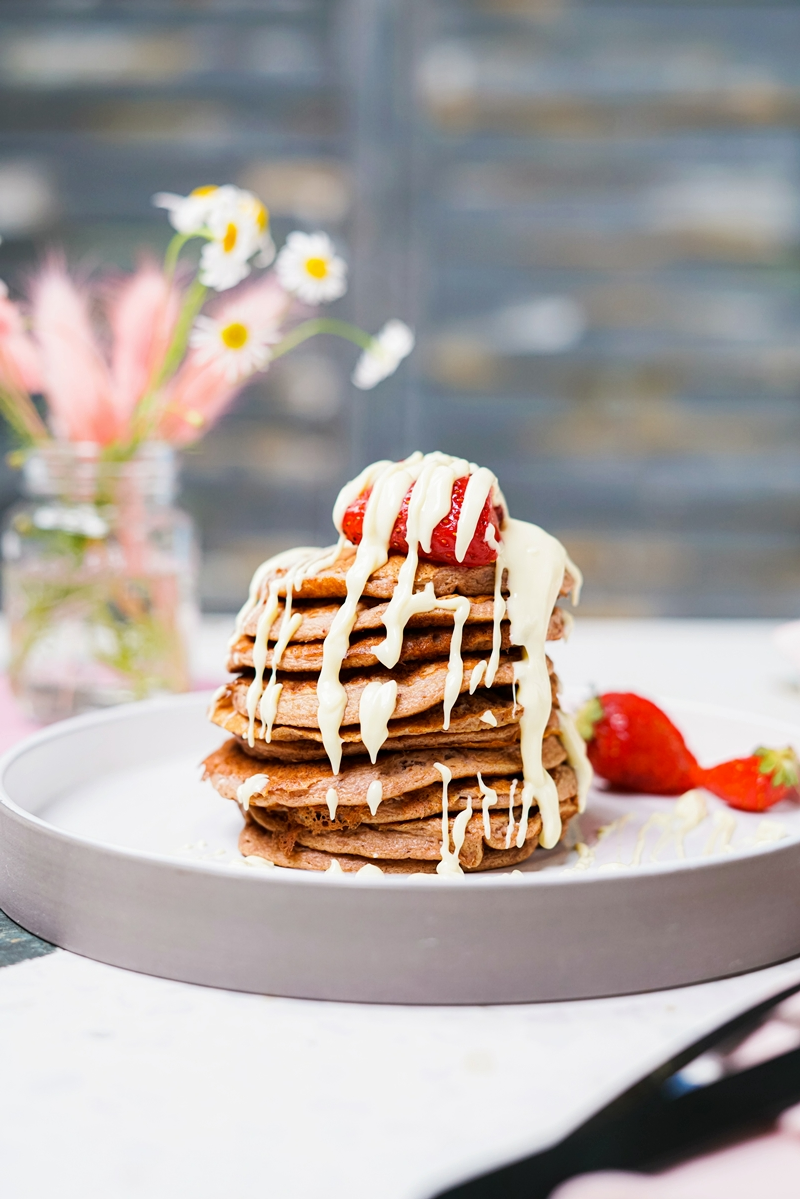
x=478 y=671
x=296 y=564
x=332 y=800
x=255 y=785
x=374 y=795
x=577 y=757
x=478 y=489
x=489 y=800
x=370 y=870
x=390 y=483
x=535 y=562
x=375 y=710
x=510 y=828
x=488 y=717
x=449 y=863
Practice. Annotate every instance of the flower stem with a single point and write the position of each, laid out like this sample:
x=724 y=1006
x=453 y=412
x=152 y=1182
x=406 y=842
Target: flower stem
x=322 y=324
x=19 y=411
x=192 y=303
x=173 y=251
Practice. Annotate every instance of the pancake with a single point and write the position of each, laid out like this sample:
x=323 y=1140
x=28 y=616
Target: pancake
x=417 y=805
x=259 y=842
x=330 y=583
x=316 y=619
x=307 y=783
x=421 y=645
x=418 y=688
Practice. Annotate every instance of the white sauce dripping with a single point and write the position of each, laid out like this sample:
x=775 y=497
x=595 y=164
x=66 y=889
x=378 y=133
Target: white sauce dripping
x=375 y=710
x=298 y=564
x=390 y=482
x=432 y=477
x=478 y=671
x=374 y=795
x=332 y=800
x=478 y=489
x=536 y=563
x=510 y=829
x=255 y=785
x=577 y=757
x=369 y=871
x=449 y=863
x=429 y=503
x=724 y=828
x=488 y=717
x=489 y=800
x=586 y=853
x=334 y=867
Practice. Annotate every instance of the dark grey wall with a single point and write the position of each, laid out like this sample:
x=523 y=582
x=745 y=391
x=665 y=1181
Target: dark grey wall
x=590 y=212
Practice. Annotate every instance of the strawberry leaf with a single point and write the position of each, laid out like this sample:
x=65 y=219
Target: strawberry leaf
x=588 y=717
x=781 y=764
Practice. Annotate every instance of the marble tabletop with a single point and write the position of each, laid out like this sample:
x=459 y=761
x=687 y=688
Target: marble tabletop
x=117 y=1084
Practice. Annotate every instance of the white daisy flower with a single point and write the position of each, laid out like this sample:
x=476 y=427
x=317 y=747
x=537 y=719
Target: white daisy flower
x=190 y=214
x=238 y=347
x=307 y=267
x=237 y=228
x=389 y=347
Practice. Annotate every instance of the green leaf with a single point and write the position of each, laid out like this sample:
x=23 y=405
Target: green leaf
x=781 y=764
x=588 y=717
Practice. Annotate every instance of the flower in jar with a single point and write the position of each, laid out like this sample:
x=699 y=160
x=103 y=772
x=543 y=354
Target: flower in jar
x=308 y=267
x=190 y=214
x=235 y=224
x=388 y=349
x=238 y=346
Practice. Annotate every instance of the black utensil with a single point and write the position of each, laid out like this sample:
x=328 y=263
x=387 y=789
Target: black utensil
x=667 y=1116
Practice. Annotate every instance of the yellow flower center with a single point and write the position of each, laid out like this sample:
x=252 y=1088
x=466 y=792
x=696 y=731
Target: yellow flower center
x=261 y=218
x=235 y=335
x=317 y=267
x=229 y=240
x=205 y=190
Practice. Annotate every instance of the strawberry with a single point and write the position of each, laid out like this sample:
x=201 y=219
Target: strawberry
x=443 y=540
x=756 y=783
x=635 y=746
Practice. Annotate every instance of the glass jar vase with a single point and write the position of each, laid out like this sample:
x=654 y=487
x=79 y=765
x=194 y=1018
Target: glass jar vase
x=99 y=581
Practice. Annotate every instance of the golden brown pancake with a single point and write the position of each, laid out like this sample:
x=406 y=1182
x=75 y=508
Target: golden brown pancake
x=293 y=784
x=282 y=851
x=418 y=688
x=317 y=618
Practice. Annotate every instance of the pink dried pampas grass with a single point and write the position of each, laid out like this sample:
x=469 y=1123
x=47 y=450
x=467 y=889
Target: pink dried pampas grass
x=19 y=360
x=75 y=376
x=142 y=313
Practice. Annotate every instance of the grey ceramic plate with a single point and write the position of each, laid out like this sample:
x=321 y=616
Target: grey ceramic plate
x=111 y=846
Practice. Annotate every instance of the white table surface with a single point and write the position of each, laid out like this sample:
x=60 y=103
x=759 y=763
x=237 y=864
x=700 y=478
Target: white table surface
x=116 y=1084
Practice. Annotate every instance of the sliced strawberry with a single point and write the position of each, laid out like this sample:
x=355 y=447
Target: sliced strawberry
x=758 y=782
x=635 y=746
x=443 y=540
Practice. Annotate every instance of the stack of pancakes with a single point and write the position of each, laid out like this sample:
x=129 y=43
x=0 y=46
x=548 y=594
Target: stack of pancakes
x=299 y=814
